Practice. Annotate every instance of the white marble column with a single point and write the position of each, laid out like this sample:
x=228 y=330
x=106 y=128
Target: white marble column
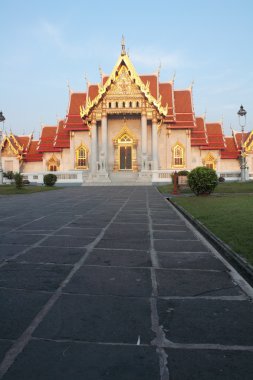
x=104 y=158
x=93 y=148
x=154 y=143
x=144 y=140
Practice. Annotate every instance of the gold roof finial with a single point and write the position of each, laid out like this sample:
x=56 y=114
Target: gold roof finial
x=123 y=46
x=100 y=73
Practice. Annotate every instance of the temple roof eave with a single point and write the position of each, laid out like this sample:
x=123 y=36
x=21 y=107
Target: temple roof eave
x=102 y=89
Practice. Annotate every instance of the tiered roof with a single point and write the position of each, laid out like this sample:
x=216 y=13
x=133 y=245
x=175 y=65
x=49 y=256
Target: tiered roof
x=73 y=120
x=47 y=138
x=230 y=150
x=215 y=137
x=33 y=154
x=199 y=134
x=62 y=136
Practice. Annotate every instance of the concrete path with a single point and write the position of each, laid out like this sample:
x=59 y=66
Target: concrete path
x=112 y=283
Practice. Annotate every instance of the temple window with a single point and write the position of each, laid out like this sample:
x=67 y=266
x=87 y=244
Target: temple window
x=178 y=156
x=81 y=157
x=137 y=104
x=123 y=104
x=110 y=105
x=130 y=104
x=210 y=161
x=116 y=104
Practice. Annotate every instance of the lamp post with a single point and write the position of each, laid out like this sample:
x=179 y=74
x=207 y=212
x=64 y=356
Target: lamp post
x=243 y=164
x=2 y=118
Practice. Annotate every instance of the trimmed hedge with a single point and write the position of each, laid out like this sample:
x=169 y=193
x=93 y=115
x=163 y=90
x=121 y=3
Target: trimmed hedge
x=49 y=179
x=202 y=180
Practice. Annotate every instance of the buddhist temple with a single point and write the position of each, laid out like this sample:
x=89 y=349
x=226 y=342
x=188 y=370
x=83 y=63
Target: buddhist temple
x=127 y=129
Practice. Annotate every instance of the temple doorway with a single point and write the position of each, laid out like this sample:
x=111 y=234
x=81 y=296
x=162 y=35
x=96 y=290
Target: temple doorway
x=126 y=158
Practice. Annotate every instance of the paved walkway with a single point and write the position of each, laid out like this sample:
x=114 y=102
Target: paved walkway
x=111 y=283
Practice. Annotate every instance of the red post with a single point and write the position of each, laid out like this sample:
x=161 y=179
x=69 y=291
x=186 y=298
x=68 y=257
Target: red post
x=175 y=183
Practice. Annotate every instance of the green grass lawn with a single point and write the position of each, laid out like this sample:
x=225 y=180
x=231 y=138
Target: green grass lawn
x=226 y=187
x=229 y=217
x=11 y=189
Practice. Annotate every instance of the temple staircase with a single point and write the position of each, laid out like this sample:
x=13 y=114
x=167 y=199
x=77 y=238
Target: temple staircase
x=123 y=178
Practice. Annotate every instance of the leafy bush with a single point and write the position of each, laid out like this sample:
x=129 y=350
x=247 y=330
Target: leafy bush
x=18 y=180
x=183 y=172
x=221 y=179
x=202 y=180
x=9 y=175
x=49 y=179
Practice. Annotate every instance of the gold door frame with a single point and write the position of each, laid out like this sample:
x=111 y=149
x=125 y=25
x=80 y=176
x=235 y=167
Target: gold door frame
x=130 y=140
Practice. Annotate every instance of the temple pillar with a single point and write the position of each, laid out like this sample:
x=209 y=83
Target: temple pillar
x=104 y=155
x=93 y=147
x=154 y=142
x=144 y=139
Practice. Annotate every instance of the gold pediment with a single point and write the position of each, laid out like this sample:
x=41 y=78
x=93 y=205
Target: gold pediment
x=124 y=82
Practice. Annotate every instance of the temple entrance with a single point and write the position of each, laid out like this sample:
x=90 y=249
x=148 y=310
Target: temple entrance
x=125 y=158
x=125 y=150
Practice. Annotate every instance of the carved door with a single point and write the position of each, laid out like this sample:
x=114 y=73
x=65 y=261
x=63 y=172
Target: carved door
x=125 y=158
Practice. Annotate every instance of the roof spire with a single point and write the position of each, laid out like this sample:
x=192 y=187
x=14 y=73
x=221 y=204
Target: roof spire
x=123 y=46
x=101 y=74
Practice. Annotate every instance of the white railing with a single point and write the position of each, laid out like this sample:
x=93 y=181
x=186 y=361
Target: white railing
x=162 y=175
x=72 y=176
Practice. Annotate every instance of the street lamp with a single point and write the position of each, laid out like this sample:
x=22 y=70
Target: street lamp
x=243 y=164
x=2 y=118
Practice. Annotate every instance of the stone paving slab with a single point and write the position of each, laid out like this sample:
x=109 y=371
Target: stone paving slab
x=53 y=255
x=98 y=319
x=80 y=361
x=115 y=284
x=193 y=283
x=196 y=260
x=111 y=281
x=32 y=276
x=5 y=345
x=117 y=257
x=207 y=321
x=210 y=364
x=18 y=308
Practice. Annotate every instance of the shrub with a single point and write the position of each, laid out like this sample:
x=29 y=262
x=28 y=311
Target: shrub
x=49 y=179
x=9 y=175
x=221 y=179
x=202 y=180
x=18 y=180
x=183 y=172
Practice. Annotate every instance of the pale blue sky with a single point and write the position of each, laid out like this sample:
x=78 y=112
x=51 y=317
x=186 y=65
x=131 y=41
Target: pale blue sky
x=46 y=43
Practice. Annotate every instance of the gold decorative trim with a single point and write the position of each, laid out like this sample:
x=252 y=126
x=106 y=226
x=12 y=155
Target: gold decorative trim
x=84 y=147
x=173 y=149
x=144 y=88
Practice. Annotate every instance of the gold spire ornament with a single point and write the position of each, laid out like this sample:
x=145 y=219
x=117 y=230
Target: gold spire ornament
x=123 y=46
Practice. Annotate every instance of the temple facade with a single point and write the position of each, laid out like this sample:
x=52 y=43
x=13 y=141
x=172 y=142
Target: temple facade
x=128 y=129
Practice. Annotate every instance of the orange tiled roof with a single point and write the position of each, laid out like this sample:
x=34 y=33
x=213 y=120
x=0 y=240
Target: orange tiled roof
x=166 y=91
x=47 y=138
x=183 y=110
x=199 y=135
x=33 y=154
x=73 y=119
x=62 y=136
x=238 y=138
x=152 y=79
x=92 y=91
x=215 y=136
x=230 y=150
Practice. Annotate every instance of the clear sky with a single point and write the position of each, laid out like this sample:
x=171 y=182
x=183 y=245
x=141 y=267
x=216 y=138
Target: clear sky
x=45 y=44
